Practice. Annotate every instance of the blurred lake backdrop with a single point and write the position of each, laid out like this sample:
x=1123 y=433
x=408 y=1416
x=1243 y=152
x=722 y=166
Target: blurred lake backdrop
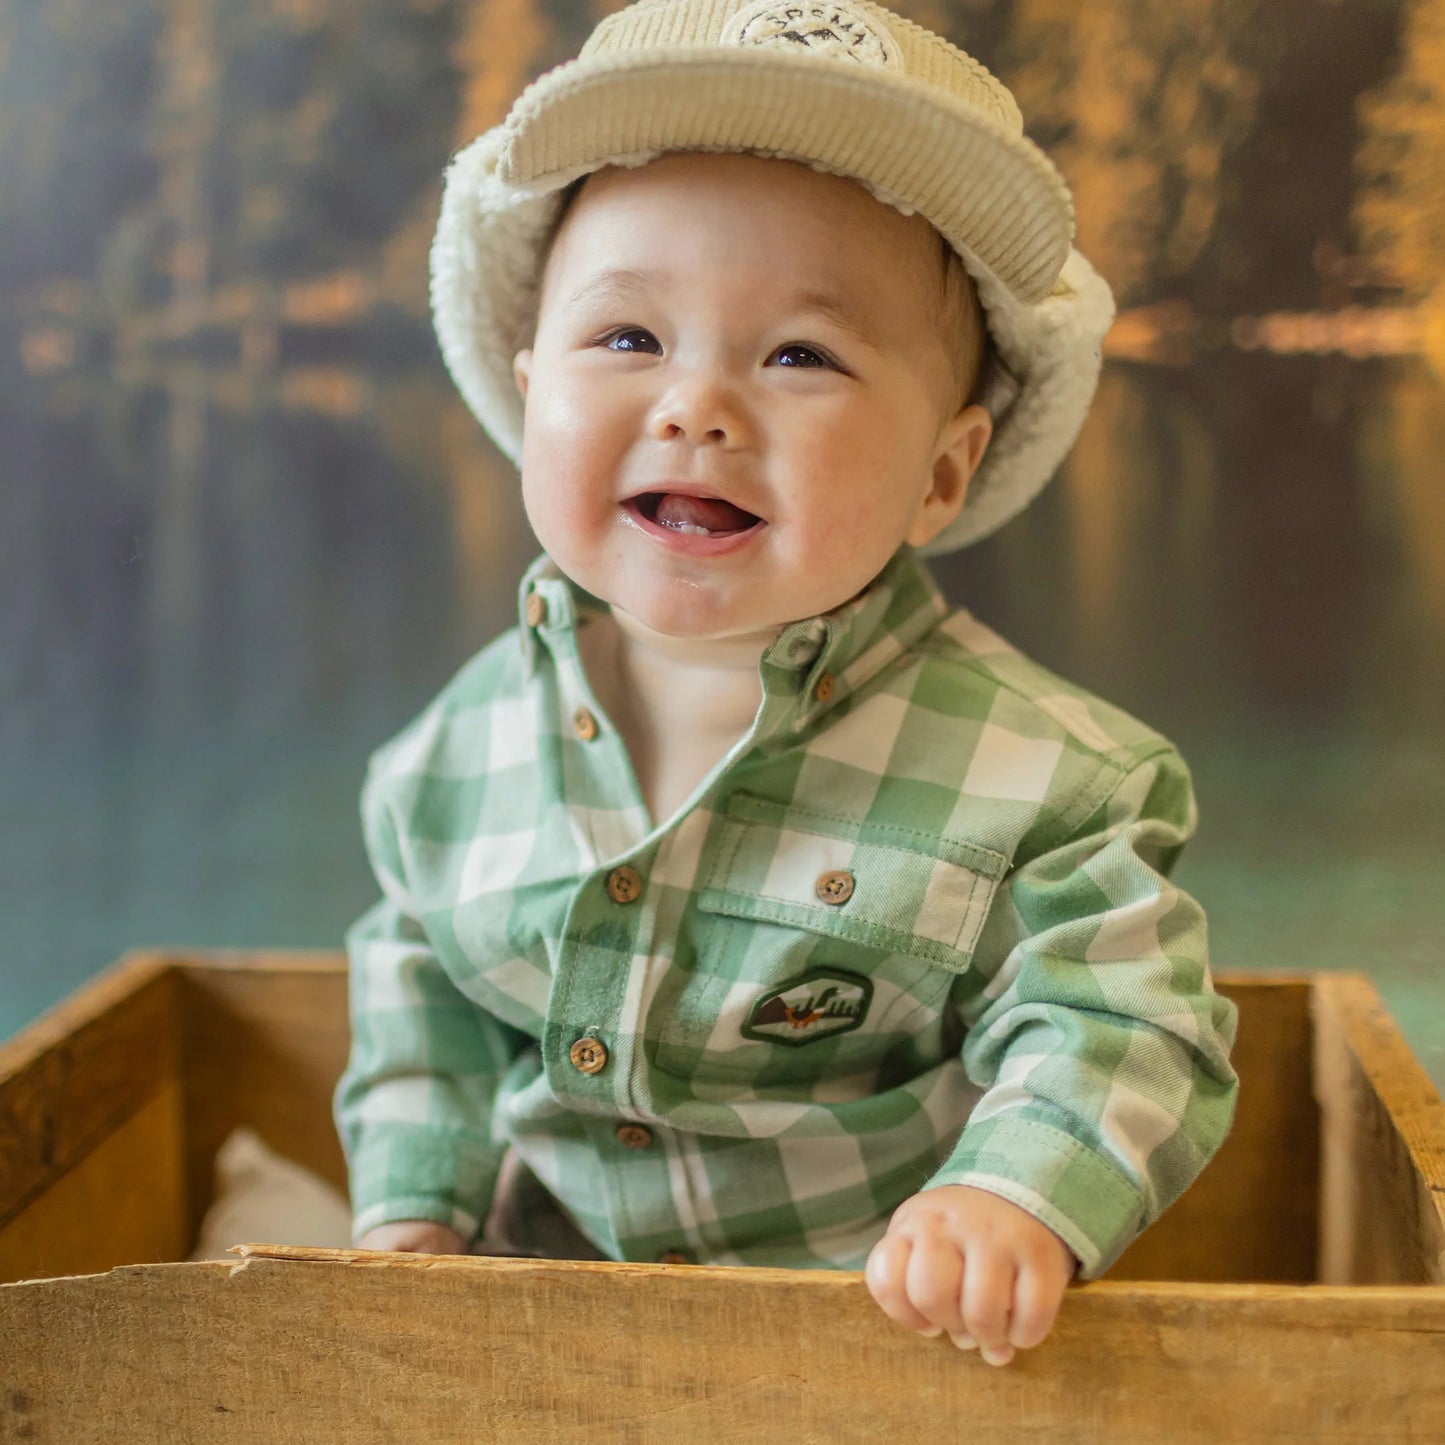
x=247 y=526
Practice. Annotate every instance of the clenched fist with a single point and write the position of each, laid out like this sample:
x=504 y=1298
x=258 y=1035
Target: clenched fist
x=967 y=1262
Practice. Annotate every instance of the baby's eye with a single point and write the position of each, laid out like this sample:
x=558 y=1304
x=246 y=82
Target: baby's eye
x=631 y=338
x=796 y=354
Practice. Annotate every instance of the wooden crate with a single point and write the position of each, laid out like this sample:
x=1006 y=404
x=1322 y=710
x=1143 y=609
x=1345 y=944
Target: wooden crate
x=1295 y=1292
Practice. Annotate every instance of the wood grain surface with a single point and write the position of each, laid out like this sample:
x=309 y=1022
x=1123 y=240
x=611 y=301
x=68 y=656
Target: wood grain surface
x=79 y=1072
x=123 y=1203
x=1383 y=1214
x=338 y=1346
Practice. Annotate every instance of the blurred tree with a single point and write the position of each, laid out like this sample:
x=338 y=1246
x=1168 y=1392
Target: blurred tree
x=1400 y=208
x=1138 y=104
x=1400 y=212
x=76 y=83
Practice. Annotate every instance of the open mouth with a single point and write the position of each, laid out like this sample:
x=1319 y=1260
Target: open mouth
x=692 y=516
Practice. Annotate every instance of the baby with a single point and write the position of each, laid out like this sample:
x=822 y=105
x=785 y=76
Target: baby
x=749 y=904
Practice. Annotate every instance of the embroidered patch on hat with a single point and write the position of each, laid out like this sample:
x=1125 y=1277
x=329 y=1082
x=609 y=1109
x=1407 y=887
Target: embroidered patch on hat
x=819 y=1004
x=839 y=31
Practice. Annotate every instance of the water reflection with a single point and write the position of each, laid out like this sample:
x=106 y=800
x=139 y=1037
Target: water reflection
x=247 y=527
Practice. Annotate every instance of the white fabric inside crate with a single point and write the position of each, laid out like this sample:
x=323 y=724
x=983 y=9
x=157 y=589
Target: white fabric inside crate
x=262 y=1198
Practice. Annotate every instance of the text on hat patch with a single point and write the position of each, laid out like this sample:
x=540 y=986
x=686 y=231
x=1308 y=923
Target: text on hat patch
x=837 y=31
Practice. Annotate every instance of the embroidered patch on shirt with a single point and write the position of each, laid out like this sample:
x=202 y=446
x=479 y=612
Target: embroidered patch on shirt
x=819 y=1004
x=838 y=31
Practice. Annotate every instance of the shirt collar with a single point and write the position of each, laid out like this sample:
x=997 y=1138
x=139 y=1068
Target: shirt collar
x=826 y=658
x=848 y=646
x=549 y=606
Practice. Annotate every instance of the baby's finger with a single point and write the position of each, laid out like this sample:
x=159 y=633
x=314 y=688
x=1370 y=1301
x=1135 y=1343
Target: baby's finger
x=935 y=1280
x=885 y=1274
x=988 y=1287
x=1037 y=1293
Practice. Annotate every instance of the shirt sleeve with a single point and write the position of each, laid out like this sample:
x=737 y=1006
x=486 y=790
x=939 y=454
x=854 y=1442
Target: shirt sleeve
x=414 y=1104
x=1098 y=1038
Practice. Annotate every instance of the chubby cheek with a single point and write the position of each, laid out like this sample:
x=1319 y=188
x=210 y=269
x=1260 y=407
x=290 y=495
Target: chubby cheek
x=570 y=463
x=842 y=553
x=574 y=530
x=850 y=519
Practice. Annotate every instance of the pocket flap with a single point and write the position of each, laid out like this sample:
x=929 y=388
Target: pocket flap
x=900 y=890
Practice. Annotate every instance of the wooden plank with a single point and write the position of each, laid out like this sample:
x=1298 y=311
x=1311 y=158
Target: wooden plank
x=124 y=1202
x=1252 y=1215
x=79 y=1072
x=338 y=1346
x=264 y=1039
x=1383 y=1204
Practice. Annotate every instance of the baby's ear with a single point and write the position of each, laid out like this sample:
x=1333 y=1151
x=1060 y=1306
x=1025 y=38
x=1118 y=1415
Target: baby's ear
x=522 y=370
x=961 y=446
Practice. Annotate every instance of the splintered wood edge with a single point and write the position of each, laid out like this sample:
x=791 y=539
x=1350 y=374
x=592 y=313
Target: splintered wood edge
x=1422 y=1299
x=796 y=1279
x=306 y=1254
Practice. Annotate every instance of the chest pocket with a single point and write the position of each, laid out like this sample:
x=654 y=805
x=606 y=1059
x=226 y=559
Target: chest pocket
x=878 y=885
x=822 y=949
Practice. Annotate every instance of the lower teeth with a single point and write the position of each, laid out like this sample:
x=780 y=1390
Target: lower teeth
x=691 y=528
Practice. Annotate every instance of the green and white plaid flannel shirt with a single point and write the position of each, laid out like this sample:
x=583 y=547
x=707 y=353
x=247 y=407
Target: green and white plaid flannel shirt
x=914 y=929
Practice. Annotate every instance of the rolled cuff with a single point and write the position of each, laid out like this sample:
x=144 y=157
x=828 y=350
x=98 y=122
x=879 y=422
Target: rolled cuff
x=1064 y=1184
x=413 y=1172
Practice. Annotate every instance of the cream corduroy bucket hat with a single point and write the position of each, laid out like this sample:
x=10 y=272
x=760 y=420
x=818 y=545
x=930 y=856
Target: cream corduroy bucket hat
x=849 y=88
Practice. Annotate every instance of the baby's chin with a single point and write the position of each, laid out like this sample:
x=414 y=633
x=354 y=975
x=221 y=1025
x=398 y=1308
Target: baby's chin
x=667 y=630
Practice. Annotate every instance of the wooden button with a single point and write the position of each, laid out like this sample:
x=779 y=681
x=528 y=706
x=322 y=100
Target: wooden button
x=624 y=884
x=824 y=689
x=584 y=724
x=634 y=1136
x=674 y=1256
x=536 y=609
x=589 y=1056
x=834 y=887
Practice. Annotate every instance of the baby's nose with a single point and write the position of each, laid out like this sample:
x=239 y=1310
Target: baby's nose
x=702 y=410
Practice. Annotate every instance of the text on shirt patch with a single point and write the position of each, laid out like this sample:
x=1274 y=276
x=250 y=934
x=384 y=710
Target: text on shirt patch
x=816 y=1005
x=839 y=31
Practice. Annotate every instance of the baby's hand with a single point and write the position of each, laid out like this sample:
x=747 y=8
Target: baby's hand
x=963 y=1260
x=414 y=1236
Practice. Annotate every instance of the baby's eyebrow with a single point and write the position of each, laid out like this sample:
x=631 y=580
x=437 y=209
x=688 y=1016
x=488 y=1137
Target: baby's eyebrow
x=614 y=287
x=832 y=307
x=624 y=286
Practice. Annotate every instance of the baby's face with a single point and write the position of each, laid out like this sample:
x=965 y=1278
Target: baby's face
x=739 y=402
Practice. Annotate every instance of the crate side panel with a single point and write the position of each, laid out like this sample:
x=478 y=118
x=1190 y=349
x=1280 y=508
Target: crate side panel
x=123 y=1203
x=1252 y=1215
x=1383 y=1156
x=263 y=1045
x=79 y=1072
x=517 y=1351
